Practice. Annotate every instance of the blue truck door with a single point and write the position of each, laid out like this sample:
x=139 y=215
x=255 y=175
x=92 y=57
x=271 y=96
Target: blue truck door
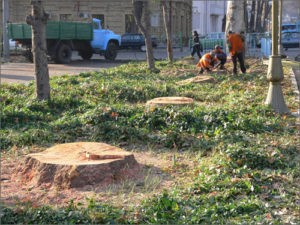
x=99 y=35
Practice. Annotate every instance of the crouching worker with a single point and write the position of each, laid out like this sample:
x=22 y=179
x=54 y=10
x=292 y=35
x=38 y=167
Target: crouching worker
x=220 y=56
x=207 y=62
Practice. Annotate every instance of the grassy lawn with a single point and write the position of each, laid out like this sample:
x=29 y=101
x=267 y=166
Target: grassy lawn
x=243 y=158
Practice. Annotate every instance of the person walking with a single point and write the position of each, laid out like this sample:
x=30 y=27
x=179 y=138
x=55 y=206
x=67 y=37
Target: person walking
x=197 y=46
x=236 y=48
x=220 y=56
x=207 y=62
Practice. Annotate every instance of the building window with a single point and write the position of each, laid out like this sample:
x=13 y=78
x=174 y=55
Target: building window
x=65 y=17
x=154 y=20
x=130 y=25
x=214 y=23
x=196 y=20
x=99 y=17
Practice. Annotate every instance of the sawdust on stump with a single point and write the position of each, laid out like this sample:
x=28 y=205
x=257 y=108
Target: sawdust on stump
x=167 y=101
x=77 y=164
x=197 y=79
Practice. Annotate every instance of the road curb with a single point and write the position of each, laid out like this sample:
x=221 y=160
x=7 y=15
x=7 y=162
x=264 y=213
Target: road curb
x=296 y=91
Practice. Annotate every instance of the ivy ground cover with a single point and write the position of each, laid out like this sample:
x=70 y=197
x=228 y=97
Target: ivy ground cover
x=244 y=157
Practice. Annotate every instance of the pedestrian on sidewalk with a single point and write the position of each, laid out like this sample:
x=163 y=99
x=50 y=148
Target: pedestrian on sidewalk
x=221 y=56
x=197 y=46
x=236 y=48
x=208 y=62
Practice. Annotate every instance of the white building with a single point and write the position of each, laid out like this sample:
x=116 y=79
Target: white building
x=208 y=15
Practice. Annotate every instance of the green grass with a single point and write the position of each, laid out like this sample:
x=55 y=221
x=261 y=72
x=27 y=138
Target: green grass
x=247 y=158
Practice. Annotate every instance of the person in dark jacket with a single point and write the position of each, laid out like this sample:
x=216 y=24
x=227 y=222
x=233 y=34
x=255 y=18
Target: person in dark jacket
x=197 y=46
x=220 y=56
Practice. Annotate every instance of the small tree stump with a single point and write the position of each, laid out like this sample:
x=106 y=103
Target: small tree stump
x=76 y=165
x=197 y=79
x=165 y=101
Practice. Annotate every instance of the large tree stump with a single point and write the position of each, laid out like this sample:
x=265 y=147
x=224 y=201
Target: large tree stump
x=166 y=101
x=197 y=79
x=76 y=165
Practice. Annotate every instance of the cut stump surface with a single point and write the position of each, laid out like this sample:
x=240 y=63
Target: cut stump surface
x=77 y=164
x=197 y=79
x=165 y=101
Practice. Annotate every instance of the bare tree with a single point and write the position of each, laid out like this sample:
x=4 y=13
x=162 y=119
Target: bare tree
x=168 y=28
x=38 y=20
x=252 y=16
x=141 y=15
x=258 y=20
x=235 y=16
x=246 y=16
x=267 y=10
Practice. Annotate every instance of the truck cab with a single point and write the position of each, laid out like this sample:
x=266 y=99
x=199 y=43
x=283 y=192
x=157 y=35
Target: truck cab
x=105 y=42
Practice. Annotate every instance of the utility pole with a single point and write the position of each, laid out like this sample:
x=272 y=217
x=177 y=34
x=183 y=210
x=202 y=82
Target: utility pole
x=5 y=7
x=275 y=72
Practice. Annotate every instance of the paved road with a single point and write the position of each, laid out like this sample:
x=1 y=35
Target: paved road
x=297 y=76
x=18 y=72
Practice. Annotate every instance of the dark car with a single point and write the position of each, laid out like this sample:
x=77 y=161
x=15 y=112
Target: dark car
x=290 y=40
x=135 y=41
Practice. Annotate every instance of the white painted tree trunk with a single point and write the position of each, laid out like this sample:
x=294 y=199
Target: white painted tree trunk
x=235 y=17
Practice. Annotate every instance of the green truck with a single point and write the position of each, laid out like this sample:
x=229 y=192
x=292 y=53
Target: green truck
x=63 y=37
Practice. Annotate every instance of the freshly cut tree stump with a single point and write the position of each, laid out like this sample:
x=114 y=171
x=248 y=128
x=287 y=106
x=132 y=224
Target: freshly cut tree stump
x=197 y=79
x=77 y=164
x=166 y=101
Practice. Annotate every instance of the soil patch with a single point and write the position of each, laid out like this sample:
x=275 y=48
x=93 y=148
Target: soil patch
x=156 y=172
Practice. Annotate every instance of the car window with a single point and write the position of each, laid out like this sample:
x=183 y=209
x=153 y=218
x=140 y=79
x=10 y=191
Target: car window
x=291 y=36
x=126 y=37
x=95 y=25
x=296 y=35
x=286 y=35
x=137 y=37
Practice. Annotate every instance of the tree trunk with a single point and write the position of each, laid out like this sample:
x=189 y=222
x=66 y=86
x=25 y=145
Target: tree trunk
x=246 y=16
x=38 y=21
x=235 y=17
x=258 y=25
x=267 y=10
x=224 y=23
x=140 y=11
x=168 y=25
x=73 y=165
x=252 y=18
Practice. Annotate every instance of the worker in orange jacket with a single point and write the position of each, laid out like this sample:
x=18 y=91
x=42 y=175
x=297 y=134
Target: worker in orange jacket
x=207 y=62
x=236 y=48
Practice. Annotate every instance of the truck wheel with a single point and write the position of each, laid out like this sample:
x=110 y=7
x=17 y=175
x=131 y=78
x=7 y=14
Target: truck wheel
x=63 y=54
x=111 y=51
x=86 y=55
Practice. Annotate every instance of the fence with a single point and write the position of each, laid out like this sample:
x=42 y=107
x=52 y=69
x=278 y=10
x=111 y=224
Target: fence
x=266 y=44
x=254 y=47
x=257 y=44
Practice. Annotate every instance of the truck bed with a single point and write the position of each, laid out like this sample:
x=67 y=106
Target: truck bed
x=62 y=30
